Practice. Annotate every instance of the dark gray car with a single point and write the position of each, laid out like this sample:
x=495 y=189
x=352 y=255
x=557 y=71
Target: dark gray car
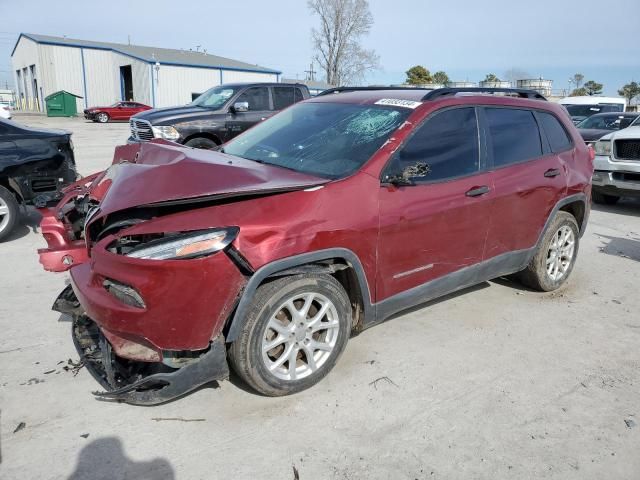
x=217 y=115
x=600 y=124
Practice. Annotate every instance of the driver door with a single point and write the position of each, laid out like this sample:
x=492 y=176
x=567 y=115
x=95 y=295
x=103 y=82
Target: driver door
x=258 y=101
x=437 y=224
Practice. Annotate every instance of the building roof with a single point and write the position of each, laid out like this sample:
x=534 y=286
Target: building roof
x=165 y=56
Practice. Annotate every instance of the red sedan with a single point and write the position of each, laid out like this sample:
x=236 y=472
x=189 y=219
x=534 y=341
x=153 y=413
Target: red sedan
x=117 y=111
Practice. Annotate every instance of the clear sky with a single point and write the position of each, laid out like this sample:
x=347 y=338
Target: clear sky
x=467 y=39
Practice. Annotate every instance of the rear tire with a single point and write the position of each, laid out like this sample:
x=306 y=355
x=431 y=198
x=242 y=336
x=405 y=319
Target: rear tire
x=556 y=255
x=201 y=142
x=102 y=117
x=604 y=199
x=293 y=335
x=9 y=212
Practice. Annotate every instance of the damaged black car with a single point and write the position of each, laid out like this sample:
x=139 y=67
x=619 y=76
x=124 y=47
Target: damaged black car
x=35 y=164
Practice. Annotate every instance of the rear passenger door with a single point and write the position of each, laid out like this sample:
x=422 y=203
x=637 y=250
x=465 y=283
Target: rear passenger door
x=528 y=175
x=437 y=225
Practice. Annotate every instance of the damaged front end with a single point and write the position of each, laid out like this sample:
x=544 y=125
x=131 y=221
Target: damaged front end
x=138 y=382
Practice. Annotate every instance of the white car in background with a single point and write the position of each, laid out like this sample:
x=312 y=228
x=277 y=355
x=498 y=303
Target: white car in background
x=617 y=166
x=580 y=108
x=5 y=111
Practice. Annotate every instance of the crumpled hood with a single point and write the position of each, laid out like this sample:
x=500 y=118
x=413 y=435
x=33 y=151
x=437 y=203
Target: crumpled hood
x=158 y=172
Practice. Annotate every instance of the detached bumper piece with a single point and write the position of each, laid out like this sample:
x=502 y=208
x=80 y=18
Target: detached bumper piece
x=136 y=382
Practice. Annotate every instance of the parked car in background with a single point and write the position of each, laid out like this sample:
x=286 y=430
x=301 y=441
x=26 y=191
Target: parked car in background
x=119 y=111
x=601 y=124
x=35 y=164
x=217 y=115
x=617 y=165
x=580 y=108
x=5 y=111
x=326 y=219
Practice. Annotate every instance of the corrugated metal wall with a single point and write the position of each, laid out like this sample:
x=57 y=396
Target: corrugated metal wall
x=175 y=85
x=61 y=68
x=25 y=55
x=140 y=76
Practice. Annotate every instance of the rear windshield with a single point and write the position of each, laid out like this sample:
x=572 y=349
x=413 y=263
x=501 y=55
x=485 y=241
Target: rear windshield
x=330 y=140
x=588 y=110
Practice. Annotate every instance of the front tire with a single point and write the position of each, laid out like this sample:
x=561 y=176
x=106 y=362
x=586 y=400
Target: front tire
x=556 y=255
x=8 y=212
x=604 y=199
x=294 y=333
x=201 y=142
x=102 y=117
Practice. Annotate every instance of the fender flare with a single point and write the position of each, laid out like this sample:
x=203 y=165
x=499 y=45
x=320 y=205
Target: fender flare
x=238 y=317
x=578 y=197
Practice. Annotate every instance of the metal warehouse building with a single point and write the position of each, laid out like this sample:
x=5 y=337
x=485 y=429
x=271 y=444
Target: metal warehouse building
x=103 y=73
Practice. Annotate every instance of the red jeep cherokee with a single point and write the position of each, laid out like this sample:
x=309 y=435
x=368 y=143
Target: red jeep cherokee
x=324 y=220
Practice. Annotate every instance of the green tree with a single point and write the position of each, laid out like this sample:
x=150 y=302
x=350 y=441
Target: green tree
x=593 y=88
x=630 y=91
x=577 y=80
x=491 y=77
x=579 y=92
x=441 y=78
x=418 y=75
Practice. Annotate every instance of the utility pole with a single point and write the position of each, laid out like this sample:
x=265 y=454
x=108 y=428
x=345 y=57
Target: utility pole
x=311 y=73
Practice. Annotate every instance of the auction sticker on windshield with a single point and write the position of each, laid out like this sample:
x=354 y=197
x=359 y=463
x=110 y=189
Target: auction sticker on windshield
x=395 y=102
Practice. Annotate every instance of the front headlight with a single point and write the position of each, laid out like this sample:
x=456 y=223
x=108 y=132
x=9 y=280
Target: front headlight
x=603 y=147
x=165 y=131
x=185 y=245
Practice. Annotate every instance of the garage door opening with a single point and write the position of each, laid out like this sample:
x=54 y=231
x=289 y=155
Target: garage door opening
x=126 y=83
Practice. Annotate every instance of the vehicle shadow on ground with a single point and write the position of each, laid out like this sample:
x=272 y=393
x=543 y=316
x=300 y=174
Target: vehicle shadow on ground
x=28 y=221
x=105 y=459
x=621 y=247
x=626 y=206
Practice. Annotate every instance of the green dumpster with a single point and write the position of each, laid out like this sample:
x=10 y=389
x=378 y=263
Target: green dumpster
x=61 y=104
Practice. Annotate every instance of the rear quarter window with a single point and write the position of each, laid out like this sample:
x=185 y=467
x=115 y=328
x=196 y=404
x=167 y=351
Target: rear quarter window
x=559 y=139
x=513 y=135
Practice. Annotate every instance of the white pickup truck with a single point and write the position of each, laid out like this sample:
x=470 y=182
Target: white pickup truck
x=617 y=166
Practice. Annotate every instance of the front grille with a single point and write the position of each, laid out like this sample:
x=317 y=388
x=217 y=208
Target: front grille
x=44 y=185
x=627 y=177
x=628 y=149
x=141 y=130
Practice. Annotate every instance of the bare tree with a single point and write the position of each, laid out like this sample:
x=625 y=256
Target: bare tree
x=337 y=43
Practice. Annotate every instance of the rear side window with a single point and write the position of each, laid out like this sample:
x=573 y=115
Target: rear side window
x=447 y=143
x=257 y=97
x=513 y=134
x=282 y=97
x=558 y=137
x=298 y=94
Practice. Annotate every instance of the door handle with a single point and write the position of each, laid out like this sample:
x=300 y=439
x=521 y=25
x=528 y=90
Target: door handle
x=477 y=191
x=552 y=172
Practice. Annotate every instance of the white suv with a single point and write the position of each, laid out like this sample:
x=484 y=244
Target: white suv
x=617 y=165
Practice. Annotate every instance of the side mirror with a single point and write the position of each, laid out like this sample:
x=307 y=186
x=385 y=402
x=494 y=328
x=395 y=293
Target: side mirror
x=240 y=107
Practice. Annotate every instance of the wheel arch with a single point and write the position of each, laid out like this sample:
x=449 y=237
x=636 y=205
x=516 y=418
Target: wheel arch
x=211 y=136
x=341 y=263
x=573 y=203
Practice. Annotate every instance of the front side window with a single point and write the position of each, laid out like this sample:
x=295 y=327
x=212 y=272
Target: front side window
x=256 y=97
x=330 y=140
x=513 y=134
x=558 y=137
x=447 y=144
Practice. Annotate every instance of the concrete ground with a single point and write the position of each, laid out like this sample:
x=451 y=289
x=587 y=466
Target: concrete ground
x=495 y=382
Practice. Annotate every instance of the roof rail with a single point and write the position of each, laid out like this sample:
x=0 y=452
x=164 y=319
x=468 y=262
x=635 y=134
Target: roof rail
x=521 y=92
x=359 y=89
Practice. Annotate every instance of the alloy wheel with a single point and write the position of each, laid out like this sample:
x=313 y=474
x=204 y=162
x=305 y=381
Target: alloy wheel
x=301 y=336
x=5 y=215
x=560 y=253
